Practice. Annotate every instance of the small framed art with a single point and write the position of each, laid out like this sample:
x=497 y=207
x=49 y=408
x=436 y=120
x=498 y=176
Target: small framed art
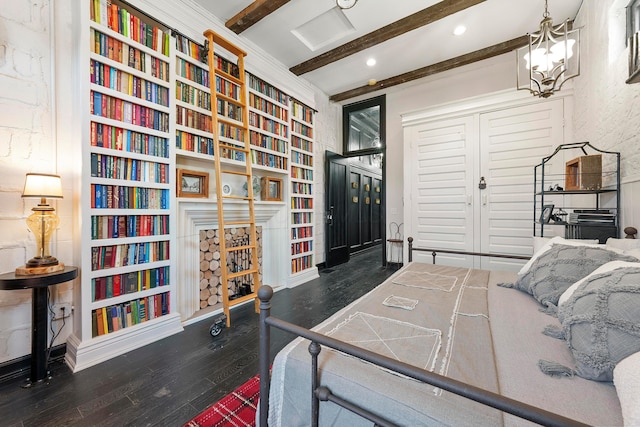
x=545 y=216
x=271 y=189
x=192 y=183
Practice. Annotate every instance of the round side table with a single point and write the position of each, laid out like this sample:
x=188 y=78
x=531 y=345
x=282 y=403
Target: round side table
x=39 y=318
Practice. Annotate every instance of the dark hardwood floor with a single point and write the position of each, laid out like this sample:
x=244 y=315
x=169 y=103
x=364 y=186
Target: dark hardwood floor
x=169 y=382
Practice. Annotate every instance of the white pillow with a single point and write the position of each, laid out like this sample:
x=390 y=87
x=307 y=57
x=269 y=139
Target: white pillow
x=610 y=266
x=543 y=244
x=626 y=378
x=633 y=252
x=624 y=244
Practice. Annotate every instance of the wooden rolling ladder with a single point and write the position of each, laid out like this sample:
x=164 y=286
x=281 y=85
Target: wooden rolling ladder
x=224 y=75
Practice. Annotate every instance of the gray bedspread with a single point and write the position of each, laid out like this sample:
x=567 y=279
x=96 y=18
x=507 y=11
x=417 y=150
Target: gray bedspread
x=441 y=319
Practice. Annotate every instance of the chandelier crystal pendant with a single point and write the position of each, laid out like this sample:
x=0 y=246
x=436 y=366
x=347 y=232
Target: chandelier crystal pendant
x=551 y=58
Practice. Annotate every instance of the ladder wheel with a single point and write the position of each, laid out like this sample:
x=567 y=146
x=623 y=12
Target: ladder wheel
x=215 y=329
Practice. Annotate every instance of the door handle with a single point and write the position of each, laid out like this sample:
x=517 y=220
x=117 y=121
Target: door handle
x=482 y=184
x=329 y=216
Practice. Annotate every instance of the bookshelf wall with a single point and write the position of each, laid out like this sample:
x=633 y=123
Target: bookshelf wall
x=301 y=192
x=268 y=125
x=145 y=96
x=127 y=295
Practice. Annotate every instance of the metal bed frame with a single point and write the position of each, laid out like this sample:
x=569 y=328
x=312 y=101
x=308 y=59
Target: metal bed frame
x=320 y=393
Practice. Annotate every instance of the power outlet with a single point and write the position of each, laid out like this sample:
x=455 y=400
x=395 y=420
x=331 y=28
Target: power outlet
x=61 y=310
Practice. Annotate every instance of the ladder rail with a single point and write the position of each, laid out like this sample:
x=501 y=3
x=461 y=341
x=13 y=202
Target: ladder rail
x=213 y=40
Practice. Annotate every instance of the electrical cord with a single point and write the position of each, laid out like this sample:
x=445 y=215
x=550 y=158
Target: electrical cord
x=54 y=335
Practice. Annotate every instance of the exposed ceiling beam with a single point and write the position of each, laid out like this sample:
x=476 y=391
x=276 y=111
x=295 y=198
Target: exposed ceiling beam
x=468 y=58
x=253 y=13
x=426 y=16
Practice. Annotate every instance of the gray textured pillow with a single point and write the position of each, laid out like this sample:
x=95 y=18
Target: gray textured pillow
x=560 y=267
x=601 y=322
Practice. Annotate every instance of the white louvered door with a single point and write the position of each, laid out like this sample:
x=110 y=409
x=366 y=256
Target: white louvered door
x=445 y=160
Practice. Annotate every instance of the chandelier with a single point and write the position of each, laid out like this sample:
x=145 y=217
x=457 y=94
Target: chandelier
x=551 y=58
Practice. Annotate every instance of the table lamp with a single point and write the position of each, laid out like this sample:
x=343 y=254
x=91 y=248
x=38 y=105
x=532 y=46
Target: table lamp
x=43 y=221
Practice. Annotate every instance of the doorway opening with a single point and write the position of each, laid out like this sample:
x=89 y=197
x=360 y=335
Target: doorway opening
x=355 y=208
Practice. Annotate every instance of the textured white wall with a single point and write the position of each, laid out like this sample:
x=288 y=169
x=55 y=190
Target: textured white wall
x=27 y=144
x=607 y=110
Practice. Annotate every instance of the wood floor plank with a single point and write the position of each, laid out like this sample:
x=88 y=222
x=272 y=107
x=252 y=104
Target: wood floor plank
x=169 y=382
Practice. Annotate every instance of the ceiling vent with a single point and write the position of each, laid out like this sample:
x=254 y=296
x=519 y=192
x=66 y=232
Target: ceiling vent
x=324 y=29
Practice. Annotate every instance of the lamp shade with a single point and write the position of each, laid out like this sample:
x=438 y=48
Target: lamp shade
x=43 y=186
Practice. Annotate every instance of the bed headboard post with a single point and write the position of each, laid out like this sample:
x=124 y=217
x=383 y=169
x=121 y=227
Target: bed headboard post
x=410 y=240
x=264 y=294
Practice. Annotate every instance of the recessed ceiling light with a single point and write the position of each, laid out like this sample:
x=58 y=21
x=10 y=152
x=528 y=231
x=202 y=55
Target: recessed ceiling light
x=371 y=62
x=459 y=30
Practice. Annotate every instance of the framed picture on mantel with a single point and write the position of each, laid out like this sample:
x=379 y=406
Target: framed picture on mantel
x=192 y=183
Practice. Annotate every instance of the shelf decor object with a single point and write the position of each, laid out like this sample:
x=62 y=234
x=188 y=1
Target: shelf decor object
x=551 y=58
x=42 y=222
x=584 y=173
x=192 y=183
x=271 y=189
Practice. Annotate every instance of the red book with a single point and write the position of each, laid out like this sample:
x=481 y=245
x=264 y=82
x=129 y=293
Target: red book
x=117 y=290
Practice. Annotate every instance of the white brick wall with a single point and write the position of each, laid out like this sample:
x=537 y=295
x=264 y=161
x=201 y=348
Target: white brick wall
x=26 y=145
x=607 y=109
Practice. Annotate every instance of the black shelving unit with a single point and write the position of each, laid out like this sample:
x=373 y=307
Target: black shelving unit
x=554 y=205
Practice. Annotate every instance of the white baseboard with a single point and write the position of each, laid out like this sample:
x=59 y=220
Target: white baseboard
x=84 y=354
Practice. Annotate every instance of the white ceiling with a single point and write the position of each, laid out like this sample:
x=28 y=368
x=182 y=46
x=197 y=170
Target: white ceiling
x=488 y=23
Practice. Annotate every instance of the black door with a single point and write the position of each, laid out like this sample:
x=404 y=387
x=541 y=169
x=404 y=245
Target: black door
x=337 y=246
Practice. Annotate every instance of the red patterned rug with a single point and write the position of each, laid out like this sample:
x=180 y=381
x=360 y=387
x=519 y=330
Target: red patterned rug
x=238 y=408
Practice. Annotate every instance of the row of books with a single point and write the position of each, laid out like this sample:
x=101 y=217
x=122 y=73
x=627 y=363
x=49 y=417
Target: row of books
x=121 y=81
x=301 y=232
x=120 y=20
x=117 y=138
x=128 y=55
x=267 y=141
x=194 y=143
x=122 y=197
x=301 y=264
x=301 y=143
x=192 y=72
x=192 y=95
x=226 y=66
x=302 y=112
x=229 y=110
x=266 y=89
x=229 y=131
x=301 y=129
x=128 y=283
x=301 y=188
x=265 y=106
x=269 y=125
x=301 y=173
x=301 y=218
x=227 y=88
x=115 y=317
x=112 y=167
x=119 y=226
x=189 y=47
x=301 y=158
x=117 y=109
x=114 y=256
x=592 y=216
x=301 y=203
x=193 y=119
x=301 y=247
x=268 y=159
